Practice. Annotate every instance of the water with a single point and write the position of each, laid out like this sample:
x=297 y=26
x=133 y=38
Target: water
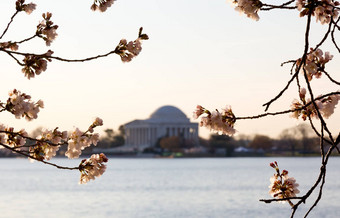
x=224 y=187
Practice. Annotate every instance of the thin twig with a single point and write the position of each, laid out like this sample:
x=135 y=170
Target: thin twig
x=282 y=6
x=325 y=36
x=12 y=56
x=62 y=59
x=9 y=24
x=25 y=40
x=45 y=162
x=330 y=78
x=286 y=111
x=332 y=35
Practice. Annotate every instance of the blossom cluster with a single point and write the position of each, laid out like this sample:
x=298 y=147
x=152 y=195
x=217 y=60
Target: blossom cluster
x=8 y=137
x=101 y=5
x=221 y=122
x=325 y=105
x=20 y=105
x=79 y=140
x=46 y=30
x=129 y=50
x=248 y=7
x=328 y=105
x=281 y=185
x=9 y=45
x=28 y=8
x=48 y=143
x=92 y=167
x=315 y=63
x=35 y=64
x=323 y=10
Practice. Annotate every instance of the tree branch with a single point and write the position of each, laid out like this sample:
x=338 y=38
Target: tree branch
x=9 y=23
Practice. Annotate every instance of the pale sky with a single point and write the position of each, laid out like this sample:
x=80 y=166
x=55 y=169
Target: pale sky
x=199 y=52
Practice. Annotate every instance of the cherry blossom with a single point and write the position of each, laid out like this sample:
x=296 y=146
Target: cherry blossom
x=49 y=140
x=328 y=105
x=12 y=140
x=248 y=7
x=325 y=105
x=28 y=8
x=46 y=30
x=21 y=105
x=11 y=45
x=221 y=122
x=101 y=5
x=92 y=167
x=281 y=185
x=315 y=63
x=98 y=122
x=79 y=140
x=34 y=64
x=128 y=50
x=198 y=112
x=323 y=10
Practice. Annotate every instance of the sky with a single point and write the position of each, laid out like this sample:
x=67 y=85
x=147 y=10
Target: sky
x=199 y=52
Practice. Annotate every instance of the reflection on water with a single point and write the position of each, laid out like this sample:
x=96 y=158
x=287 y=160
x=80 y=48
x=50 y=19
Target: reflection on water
x=224 y=187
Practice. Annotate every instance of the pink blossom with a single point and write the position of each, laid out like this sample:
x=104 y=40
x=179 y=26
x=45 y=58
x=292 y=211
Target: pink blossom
x=315 y=63
x=11 y=45
x=34 y=65
x=101 y=5
x=92 y=167
x=21 y=105
x=282 y=186
x=323 y=10
x=248 y=7
x=46 y=30
x=98 y=122
x=78 y=141
x=29 y=8
x=128 y=50
x=198 y=112
x=134 y=47
x=215 y=121
x=328 y=105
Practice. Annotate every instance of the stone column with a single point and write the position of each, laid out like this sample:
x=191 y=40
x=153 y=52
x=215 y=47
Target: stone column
x=149 y=136
x=127 y=136
x=134 y=136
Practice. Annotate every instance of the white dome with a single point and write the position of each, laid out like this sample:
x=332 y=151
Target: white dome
x=169 y=114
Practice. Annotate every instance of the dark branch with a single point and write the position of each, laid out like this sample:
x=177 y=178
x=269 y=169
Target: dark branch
x=9 y=23
x=43 y=161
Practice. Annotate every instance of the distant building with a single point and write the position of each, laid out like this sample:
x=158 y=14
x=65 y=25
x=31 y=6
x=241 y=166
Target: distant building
x=166 y=121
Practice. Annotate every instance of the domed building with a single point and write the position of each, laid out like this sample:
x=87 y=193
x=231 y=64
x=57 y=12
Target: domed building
x=166 y=121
